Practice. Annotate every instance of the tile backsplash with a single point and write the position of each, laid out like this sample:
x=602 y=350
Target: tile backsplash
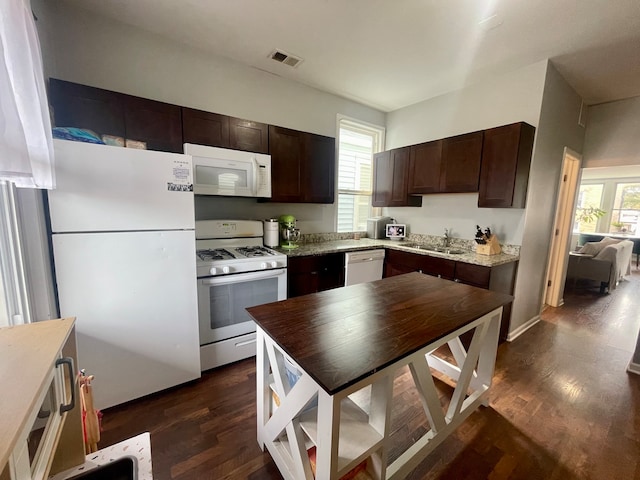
x=412 y=237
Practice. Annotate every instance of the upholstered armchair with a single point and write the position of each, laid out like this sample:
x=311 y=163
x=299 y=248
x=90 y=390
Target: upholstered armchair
x=606 y=261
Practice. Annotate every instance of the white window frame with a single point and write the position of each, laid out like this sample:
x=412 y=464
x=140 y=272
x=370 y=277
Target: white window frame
x=354 y=124
x=16 y=308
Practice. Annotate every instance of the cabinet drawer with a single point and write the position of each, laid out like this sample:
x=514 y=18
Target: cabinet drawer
x=475 y=275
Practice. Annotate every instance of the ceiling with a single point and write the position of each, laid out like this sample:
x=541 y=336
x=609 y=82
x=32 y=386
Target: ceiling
x=392 y=53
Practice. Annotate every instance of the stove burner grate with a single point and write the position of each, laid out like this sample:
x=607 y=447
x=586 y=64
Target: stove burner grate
x=256 y=251
x=215 y=254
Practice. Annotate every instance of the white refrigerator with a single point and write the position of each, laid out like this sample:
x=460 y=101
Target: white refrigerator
x=122 y=229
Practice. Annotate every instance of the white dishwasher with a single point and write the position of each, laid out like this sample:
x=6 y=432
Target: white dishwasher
x=363 y=266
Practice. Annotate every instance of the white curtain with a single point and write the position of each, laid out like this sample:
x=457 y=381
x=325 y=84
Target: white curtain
x=26 y=146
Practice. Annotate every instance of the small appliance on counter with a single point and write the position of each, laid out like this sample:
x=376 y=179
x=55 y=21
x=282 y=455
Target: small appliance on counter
x=288 y=231
x=376 y=227
x=395 y=231
x=271 y=232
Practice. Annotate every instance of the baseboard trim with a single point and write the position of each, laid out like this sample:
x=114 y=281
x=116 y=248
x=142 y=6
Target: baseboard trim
x=511 y=336
x=634 y=368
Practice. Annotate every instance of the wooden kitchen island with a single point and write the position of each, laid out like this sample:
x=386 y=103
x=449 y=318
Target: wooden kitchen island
x=326 y=364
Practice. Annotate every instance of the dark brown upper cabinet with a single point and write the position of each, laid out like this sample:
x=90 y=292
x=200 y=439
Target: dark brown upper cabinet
x=302 y=166
x=80 y=106
x=450 y=165
x=391 y=179
x=461 y=156
x=286 y=148
x=318 y=169
x=156 y=123
x=425 y=167
x=111 y=113
x=506 y=158
x=215 y=130
x=248 y=136
x=205 y=128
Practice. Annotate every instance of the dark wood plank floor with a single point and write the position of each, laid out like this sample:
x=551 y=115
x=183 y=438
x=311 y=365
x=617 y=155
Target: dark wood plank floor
x=562 y=407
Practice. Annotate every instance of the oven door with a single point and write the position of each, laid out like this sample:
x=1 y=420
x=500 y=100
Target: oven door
x=222 y=302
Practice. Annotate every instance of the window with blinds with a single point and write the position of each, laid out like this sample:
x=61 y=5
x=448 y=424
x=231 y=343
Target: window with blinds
x=357 y=142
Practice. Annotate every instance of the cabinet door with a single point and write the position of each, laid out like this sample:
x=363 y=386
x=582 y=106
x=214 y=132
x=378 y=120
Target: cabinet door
x=205 y=128
x=248 y=136
x=81 y=106
x=397 y=262
x=286 y=147
x=391 y=179
x=506 y=158
x=437 y=266
x=382 y=179
x=424 y=167
x=318 y=169
x=461 y=156
x=400 y=184
x=476 y=275
x=156 y=123
x=313 y=274
x=393 y=269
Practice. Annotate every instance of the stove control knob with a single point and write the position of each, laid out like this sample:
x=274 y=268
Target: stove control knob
x=263 y=265
x=225 y=269
x=274 y=264
x=213 y=271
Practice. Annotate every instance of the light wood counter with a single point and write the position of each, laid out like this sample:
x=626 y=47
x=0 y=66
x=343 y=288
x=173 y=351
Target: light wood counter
x=28 y=354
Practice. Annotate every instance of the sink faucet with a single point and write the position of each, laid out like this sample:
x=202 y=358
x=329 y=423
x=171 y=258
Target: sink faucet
x=446 y=239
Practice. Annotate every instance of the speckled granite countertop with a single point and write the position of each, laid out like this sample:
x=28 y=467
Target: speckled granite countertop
x=321 y=248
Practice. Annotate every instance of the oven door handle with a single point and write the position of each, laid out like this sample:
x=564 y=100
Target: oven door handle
x=243 y=277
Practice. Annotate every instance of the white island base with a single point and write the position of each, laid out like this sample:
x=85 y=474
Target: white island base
x=346 y=434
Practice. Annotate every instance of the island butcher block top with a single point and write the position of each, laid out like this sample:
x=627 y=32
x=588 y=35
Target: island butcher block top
x=343 y=335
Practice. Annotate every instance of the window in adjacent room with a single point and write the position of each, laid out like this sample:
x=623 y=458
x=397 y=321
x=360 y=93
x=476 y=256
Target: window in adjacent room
x=625 y=215
x=589 y=201
x=357 y=142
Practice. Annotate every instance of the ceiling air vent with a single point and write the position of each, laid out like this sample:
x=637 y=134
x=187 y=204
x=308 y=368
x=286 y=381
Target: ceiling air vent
x=286 y=58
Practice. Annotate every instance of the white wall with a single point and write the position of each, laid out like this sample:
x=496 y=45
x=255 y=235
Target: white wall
x=613 y=134
x=111 y=55
x=510 y=98
x=557 y=128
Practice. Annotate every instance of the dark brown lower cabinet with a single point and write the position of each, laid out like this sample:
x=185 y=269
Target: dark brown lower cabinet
x=314 y=273
x=500 y=278
x=397 y=262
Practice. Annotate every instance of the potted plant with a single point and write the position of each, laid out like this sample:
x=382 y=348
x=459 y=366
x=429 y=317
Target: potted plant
x=619 y=226
x=588 y=214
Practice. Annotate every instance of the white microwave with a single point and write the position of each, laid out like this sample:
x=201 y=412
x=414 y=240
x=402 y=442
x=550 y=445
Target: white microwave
x=220 y=171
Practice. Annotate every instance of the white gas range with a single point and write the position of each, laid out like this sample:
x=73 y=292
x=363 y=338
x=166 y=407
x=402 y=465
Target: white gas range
x=234 y=272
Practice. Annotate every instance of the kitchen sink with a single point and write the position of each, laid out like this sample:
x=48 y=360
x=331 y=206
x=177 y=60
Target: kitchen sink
x=450 y=251
x=434 y=248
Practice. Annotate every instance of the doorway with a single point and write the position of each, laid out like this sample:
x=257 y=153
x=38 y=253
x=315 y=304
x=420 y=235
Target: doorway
x=560 y=243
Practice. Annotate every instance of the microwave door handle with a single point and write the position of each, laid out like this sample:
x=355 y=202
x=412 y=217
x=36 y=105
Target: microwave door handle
x=243 y=277
x=256 y=169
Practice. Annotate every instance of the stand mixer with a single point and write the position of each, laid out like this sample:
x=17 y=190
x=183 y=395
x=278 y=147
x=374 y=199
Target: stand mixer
x=288 y=232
